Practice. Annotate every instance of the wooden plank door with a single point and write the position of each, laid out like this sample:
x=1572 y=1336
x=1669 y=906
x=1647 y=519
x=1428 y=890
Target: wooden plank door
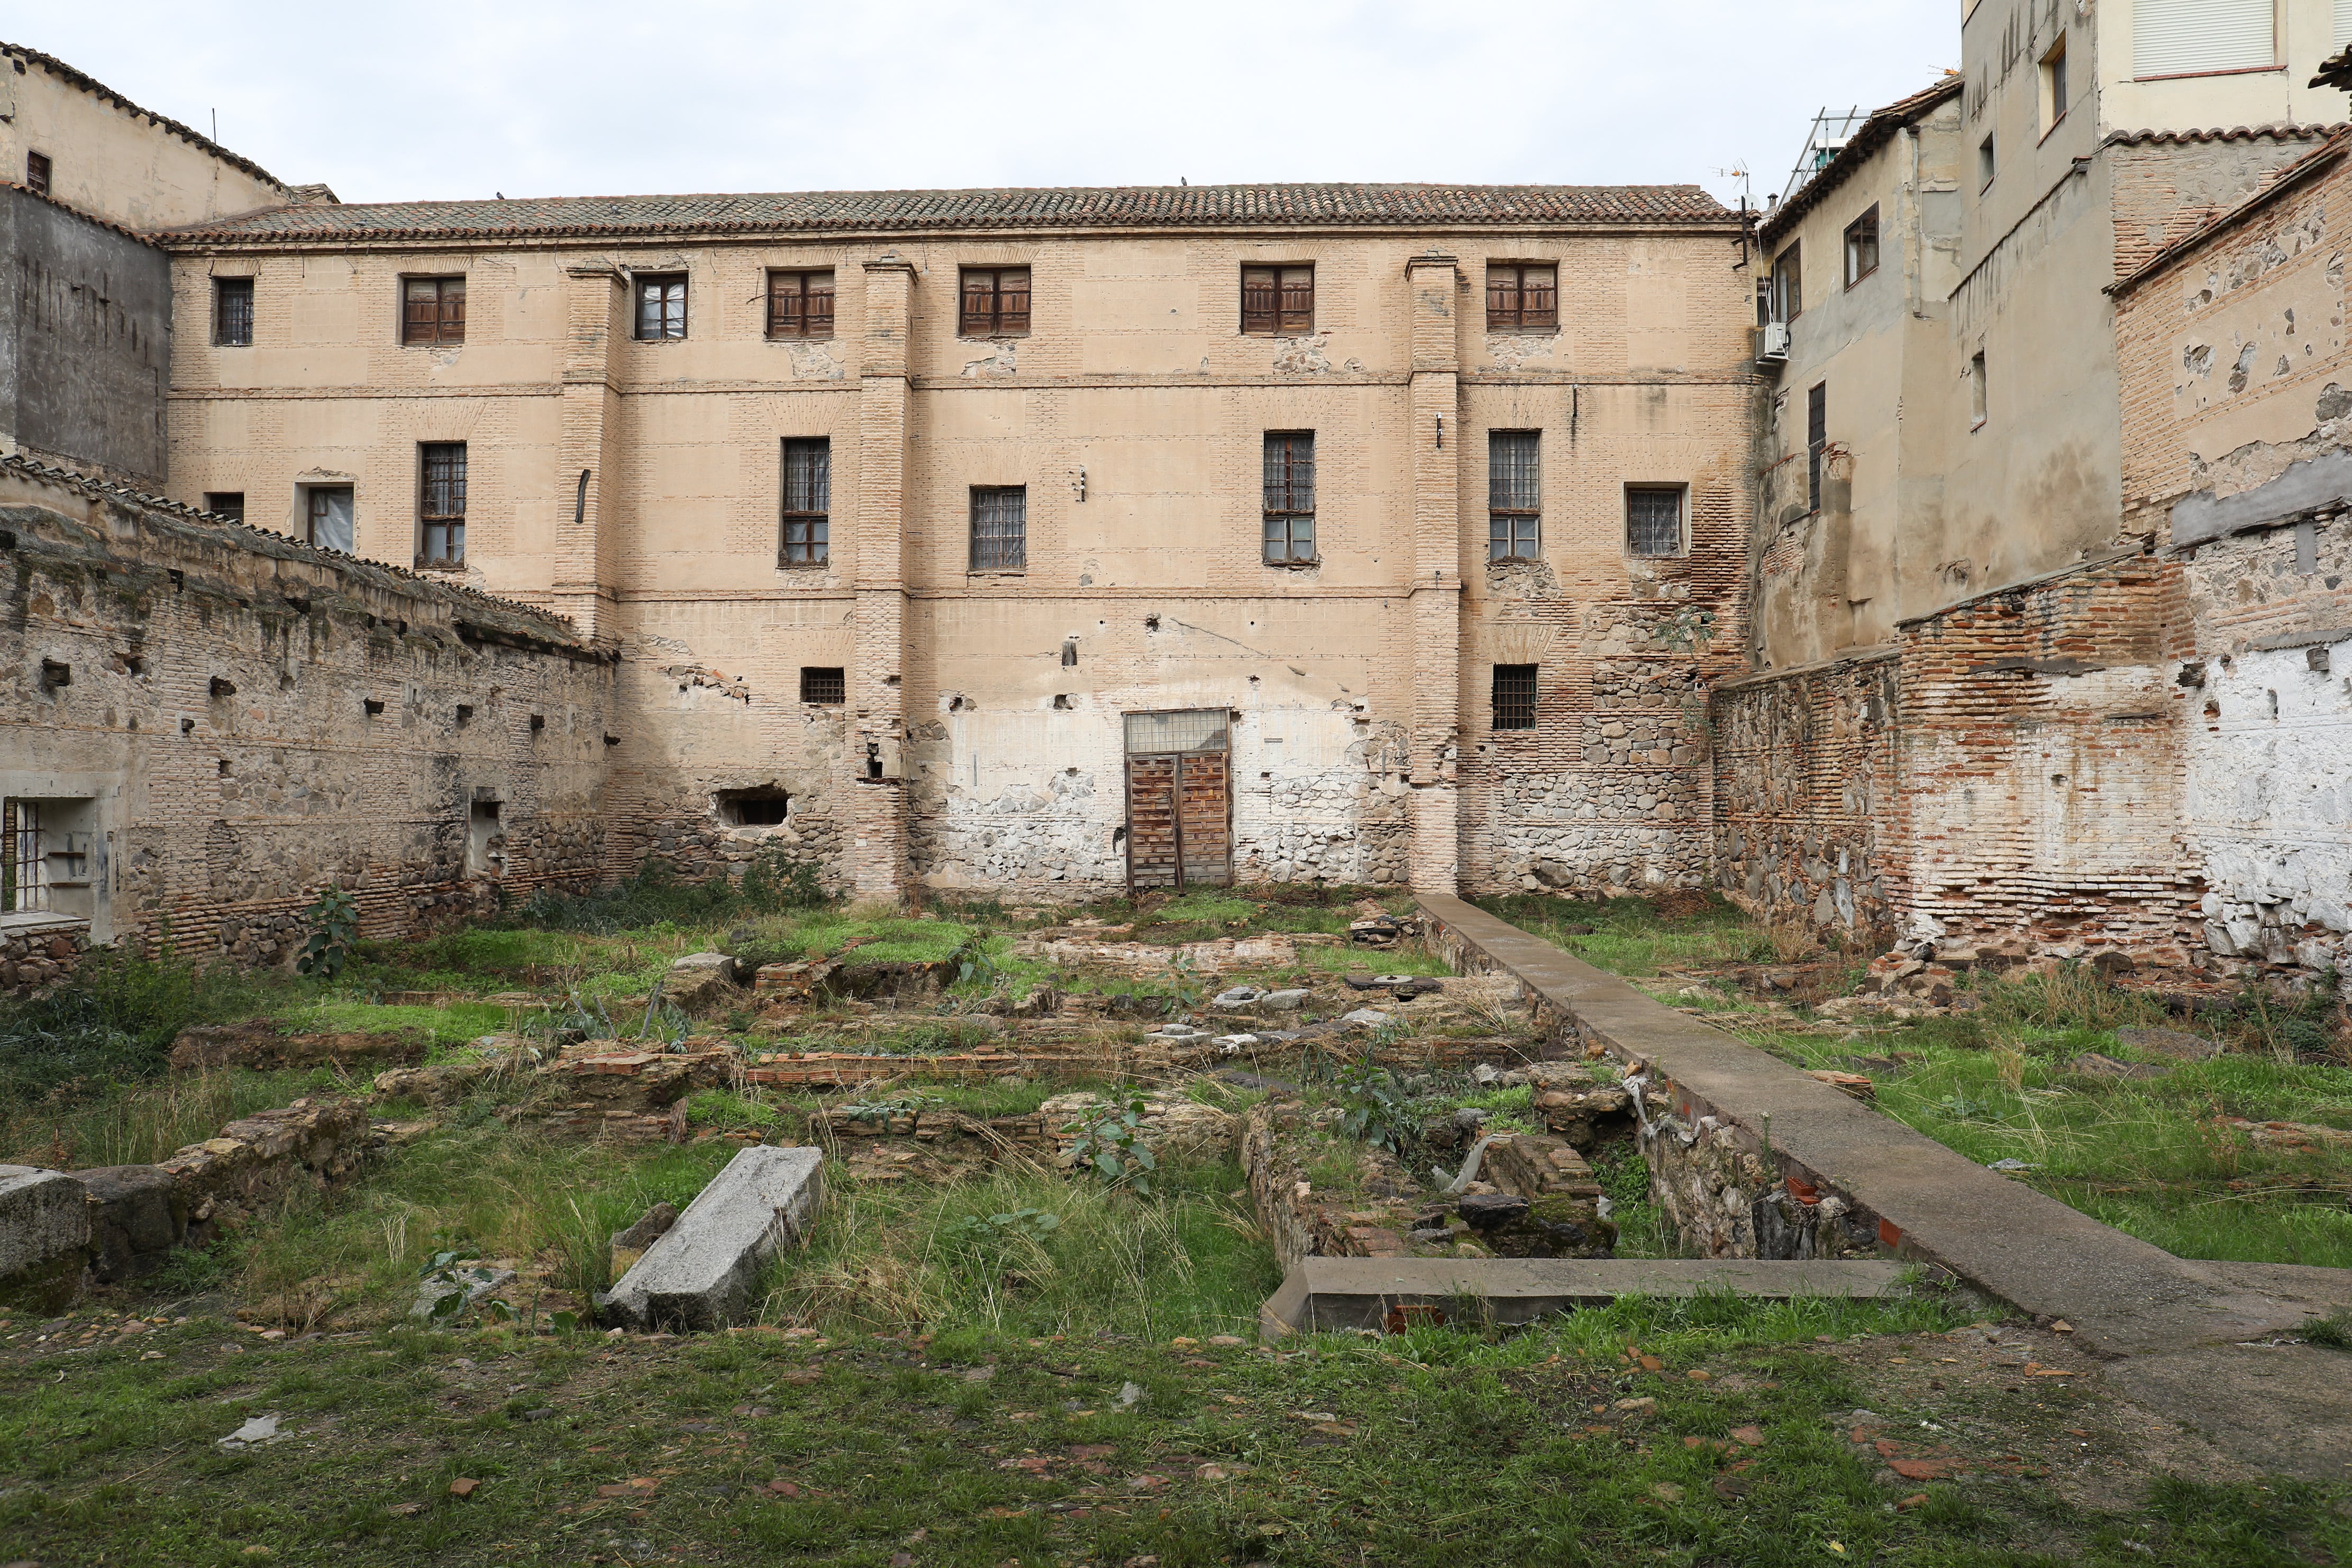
x=1204 y=838
x=1153 y=854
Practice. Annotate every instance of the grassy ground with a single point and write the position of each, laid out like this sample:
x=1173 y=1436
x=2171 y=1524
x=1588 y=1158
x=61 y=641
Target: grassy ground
x=2147 y=1155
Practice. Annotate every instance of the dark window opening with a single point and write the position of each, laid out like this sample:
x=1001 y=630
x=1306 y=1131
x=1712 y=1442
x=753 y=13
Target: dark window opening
x=824 y=685
x=233 y=312
x=1984 y=161
x=808 y=499
x=1522 y=298
x=754 y=807
x=1817 y=439
x=2053 y=81
x=1788 y=284
x=999 y=528
x=432 y=311
x=1278 y=301
x=441 y=509
x=37 y=173
x=485 y=841
x=661 y=306
x=1289 y=496
x=799 y=304
x=1979 y=393
x=1862 y=248
x=1515 y=697
x=995 y=302
x=1653 y=521
x=229 y=504
x=1514 y=495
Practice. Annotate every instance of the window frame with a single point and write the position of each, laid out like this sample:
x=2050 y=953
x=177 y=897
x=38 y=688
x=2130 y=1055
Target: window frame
x=223 y=290
x=312 y=495
x=235 y=512
x=1988 y=161
x=40 y=174
x=813 y=691
x=1524 y=702
x=1789 y=282
x=804 y=276
x=452 y=521
x=1277 y=320
x=443 y=335
x=1870 y=216
x=991 y=322
x=639 y=283
x=1817 y=441
x=1019 y=550
x=1515 y=519
x=2049 y=78
x=1681 y=494
x=816 y=525
x=1979 y=393
x=1278 y=499
x=1519 y=310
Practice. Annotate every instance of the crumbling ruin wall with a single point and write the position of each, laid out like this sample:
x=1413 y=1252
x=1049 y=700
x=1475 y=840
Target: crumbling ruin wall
x=219 y=722
x=1804 y=790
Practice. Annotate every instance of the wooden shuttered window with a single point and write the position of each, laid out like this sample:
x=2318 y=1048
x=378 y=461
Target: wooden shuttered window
x=2191 y=38
x=995 y=302
x=806 y=536
x=1522 y=297
x=432 y=311
x=799 y=304
x=1278 y=301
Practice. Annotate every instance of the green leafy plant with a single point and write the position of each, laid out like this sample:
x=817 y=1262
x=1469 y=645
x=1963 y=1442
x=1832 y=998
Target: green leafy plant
x=986 y=1238
x=441 y=1268
x=334 y=929
x=1378 y=1106
x=1111 y=1145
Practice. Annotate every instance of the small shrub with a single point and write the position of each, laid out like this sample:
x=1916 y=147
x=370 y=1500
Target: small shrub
x=1111 y=1145
x=334 y=928
x=2335 y=1330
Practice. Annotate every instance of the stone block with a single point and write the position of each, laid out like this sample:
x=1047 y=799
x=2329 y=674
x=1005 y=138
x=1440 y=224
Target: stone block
x=137 y=1216
x=699 y=980
x=44 y=1238
x=700 y=1274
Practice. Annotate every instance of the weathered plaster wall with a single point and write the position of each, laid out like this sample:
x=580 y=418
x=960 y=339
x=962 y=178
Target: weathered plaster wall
x=85 y=340
x=245 y=721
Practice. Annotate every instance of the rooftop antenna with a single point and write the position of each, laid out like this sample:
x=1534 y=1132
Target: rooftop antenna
x=1739 y=172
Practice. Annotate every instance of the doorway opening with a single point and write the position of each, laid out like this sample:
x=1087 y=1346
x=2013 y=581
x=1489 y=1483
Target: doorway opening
x=1180 y=799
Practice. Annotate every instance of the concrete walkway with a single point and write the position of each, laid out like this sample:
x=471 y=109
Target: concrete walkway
x=2123 y=1298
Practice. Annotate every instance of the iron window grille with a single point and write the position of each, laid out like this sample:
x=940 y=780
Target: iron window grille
x=995 y=302
x=661 y=307
x=1817 y=440
x=820 y=685
x=233 y=312
x=1522 y=298
x=1514 y=495
x=441 y=508
x=1515 y=697
x=799 y=304
x=432 y=311
x=37 y=173
x=808 y=498
x=1289 y=498
x=1653 y=521
x=27 y=868
x=1862 y=248
x=229 y=504
x=1277 y=301
x=999 y=528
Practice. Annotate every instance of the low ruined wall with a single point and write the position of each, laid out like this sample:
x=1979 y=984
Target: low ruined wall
x=226 y=721
x=37 y=952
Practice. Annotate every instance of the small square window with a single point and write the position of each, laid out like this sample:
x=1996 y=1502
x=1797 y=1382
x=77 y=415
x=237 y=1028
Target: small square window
x=799 y=304
x=1522 y=297
x=824 y=685
x=1862 y=248
x=1515 y=697
x=37 y=173
x=995 y=302
x=1278 y=301
x=233 y=312
x=999 y=528
x=432 y=311
x=229 y=504
x=808 y=499
x=661 y=306
x=1653 y=521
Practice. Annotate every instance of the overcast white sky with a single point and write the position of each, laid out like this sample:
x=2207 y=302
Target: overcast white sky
x=537 y=98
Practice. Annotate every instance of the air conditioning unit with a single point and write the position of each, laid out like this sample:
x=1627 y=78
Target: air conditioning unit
x=1776 y=343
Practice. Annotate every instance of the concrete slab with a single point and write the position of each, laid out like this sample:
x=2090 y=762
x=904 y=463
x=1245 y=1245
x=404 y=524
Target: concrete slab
x=700 y=1274
x=1324 y=1294
x=44 y=1238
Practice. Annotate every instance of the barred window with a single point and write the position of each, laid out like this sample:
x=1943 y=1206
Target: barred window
x=432 y=311
x=1289 y=496
x=1514 y=495
x=1817 y=441
x=1515 y=697
x=1277 y=301
x=999 y=528
x=829 y=685
x=229 y=504
x=1521 y=297
x=799 y=304
x=37 y=173
x=441 y=509
x=995 y=302
x=808 y=499
x=661 y=306
x=1654 y=521
x=233 y=312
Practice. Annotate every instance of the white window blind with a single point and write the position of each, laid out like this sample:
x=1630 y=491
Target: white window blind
x=2343 y=22
x=2176 y=38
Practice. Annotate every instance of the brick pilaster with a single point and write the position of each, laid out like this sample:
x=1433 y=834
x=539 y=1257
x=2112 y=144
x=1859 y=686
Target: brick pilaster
x=877 y=730
x=593 y=296
x=1435 y=595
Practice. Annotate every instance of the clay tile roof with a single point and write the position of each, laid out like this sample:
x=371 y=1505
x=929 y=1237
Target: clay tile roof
x=2284 y=131
x=1113 y=206
x=2336 y=72
x=1875 y=132
x=97 y=88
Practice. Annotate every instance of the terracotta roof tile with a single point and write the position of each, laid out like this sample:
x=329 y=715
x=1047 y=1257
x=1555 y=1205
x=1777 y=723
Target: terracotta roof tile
x=1115 y=207
x=97 y=88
